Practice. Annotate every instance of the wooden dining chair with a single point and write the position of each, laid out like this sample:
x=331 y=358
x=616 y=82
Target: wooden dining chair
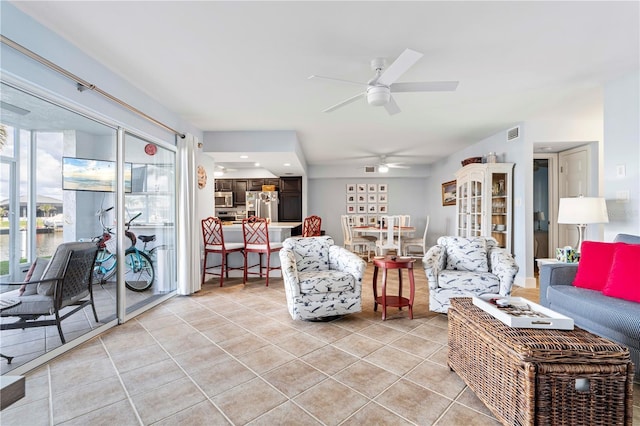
x=213 y=239
x=311 y=226
x=256 y=240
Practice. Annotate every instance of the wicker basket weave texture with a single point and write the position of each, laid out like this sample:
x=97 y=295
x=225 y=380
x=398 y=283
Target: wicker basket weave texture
x=528 y=376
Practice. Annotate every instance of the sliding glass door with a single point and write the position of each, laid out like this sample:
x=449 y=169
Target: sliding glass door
x=67 y=177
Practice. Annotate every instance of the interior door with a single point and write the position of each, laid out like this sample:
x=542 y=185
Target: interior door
x=573 y=181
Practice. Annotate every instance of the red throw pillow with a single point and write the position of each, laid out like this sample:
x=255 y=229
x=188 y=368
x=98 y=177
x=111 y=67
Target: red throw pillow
x=623 y=277
x=595 y=263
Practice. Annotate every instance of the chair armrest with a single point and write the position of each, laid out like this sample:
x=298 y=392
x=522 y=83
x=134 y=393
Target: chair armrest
x=555 y=274
x=341 y=259
x=289 y=270
x=433 y=262
x=504 y=266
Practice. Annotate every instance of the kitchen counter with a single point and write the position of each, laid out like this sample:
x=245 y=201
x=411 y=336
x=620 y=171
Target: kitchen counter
x=278 y=232
x=272 y=225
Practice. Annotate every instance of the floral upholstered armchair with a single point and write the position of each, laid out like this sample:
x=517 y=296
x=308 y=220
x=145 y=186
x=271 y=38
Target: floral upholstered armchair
x=321 y=279
x=465 y=267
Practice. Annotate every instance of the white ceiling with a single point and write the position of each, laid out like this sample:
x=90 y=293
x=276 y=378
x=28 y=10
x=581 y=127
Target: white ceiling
x=244 y=65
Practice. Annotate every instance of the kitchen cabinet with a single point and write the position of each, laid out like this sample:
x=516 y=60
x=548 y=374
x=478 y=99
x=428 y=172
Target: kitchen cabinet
x=240 y=191
x=224 y=184
x=290 y=207
x=484 y=202
x=255 y=184
x=291 y=184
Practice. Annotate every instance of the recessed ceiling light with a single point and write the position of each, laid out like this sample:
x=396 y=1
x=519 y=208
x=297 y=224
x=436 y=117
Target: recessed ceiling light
x=287 y=164
x=256 y=164
x=244 y=157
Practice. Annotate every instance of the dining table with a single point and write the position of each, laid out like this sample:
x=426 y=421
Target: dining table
x=368 y=229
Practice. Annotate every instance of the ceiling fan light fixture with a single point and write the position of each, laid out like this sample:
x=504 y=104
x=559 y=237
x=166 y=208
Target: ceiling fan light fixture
x=382 y=168
x=378 y=95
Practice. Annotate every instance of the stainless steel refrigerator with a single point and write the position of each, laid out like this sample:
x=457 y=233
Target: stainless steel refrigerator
x=263 y=204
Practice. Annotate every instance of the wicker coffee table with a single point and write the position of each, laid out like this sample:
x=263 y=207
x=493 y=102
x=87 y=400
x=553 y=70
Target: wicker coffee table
x=538 y=377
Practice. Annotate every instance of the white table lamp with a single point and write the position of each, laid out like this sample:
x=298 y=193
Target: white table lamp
x=581 y=211
x=539 y=217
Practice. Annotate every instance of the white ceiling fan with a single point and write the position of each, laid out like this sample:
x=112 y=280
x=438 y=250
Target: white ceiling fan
x=384 y=165
x=379 y=88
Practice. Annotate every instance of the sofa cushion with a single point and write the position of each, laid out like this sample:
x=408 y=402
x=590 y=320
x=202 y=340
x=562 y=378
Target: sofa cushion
x=327 y=281
x=467 y=254
x=614 y=318
x=595 y=262
x=623 y=276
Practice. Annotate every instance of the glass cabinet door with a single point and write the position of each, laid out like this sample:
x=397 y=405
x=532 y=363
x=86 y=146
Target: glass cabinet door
x=500 y=208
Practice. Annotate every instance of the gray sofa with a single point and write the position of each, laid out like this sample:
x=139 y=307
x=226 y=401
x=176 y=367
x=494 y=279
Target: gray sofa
x=615 y=319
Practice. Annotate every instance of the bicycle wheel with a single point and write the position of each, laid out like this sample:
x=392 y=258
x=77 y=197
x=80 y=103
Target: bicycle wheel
x=104 y=267
x=138 y=272
x=153 y=253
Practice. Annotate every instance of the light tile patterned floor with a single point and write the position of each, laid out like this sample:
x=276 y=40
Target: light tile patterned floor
x=233 y=355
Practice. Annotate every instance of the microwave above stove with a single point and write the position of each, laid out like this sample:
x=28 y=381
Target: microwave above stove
x=223 y=199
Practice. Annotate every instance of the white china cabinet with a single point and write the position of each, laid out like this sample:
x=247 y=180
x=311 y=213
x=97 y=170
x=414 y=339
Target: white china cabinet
x=484 y=202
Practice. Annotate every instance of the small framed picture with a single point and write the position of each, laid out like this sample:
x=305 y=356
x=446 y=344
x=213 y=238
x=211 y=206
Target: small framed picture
x=372 y=187
x=361 y=220
x=382 y=208
x=351 y=198
x=382 y=198
x=373 y=220
x=351 y=188
x=362 y=208
x=372 y=208
x=372 y=198
x=362 y=198
x=361 y=188
x=351 y=208
x=382 y=187
x=449 y=193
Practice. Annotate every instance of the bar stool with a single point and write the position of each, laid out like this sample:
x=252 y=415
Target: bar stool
x=311 y=226
x=256 y=240
x=213 y=238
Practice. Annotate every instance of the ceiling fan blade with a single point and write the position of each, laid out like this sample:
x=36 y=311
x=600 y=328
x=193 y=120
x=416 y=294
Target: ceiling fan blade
x=399 y=67
x=336 y=79
x=397 y=166
x=425 y=86
x=345 y=102
x=392 y=107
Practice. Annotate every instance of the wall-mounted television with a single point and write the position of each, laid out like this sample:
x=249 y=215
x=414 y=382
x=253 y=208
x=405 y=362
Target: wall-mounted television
x=84 y=174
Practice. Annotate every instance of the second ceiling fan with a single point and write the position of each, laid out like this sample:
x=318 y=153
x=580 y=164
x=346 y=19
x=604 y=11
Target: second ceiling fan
x=379 y=89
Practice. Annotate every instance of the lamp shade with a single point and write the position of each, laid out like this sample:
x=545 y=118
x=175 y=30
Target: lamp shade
x=539 y=216
x=582 y=210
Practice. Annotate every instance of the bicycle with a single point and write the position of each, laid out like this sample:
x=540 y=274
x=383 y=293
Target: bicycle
x=139 y=270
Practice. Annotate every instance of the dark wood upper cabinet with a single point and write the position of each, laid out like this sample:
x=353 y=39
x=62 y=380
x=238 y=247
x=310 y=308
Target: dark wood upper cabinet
x=291 y=184
x=240 y=191
x=224 y=184
x=255 y=184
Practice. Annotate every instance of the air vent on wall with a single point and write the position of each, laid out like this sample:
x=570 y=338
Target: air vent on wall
x=369 y=169
x=513 y=133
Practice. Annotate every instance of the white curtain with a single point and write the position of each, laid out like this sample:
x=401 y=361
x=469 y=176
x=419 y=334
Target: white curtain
x=188 y=230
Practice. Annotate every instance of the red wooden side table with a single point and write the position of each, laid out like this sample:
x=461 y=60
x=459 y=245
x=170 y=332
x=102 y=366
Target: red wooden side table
x=399 y=263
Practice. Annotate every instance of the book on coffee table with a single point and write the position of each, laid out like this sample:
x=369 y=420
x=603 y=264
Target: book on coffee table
x=522 y=313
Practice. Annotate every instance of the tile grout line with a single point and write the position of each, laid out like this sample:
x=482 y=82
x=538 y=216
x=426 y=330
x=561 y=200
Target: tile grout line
x=50 y=394
x=124 y=388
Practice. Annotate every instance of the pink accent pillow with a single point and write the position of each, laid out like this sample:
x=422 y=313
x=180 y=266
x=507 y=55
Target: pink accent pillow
x=623 y=278
x=595 y=263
